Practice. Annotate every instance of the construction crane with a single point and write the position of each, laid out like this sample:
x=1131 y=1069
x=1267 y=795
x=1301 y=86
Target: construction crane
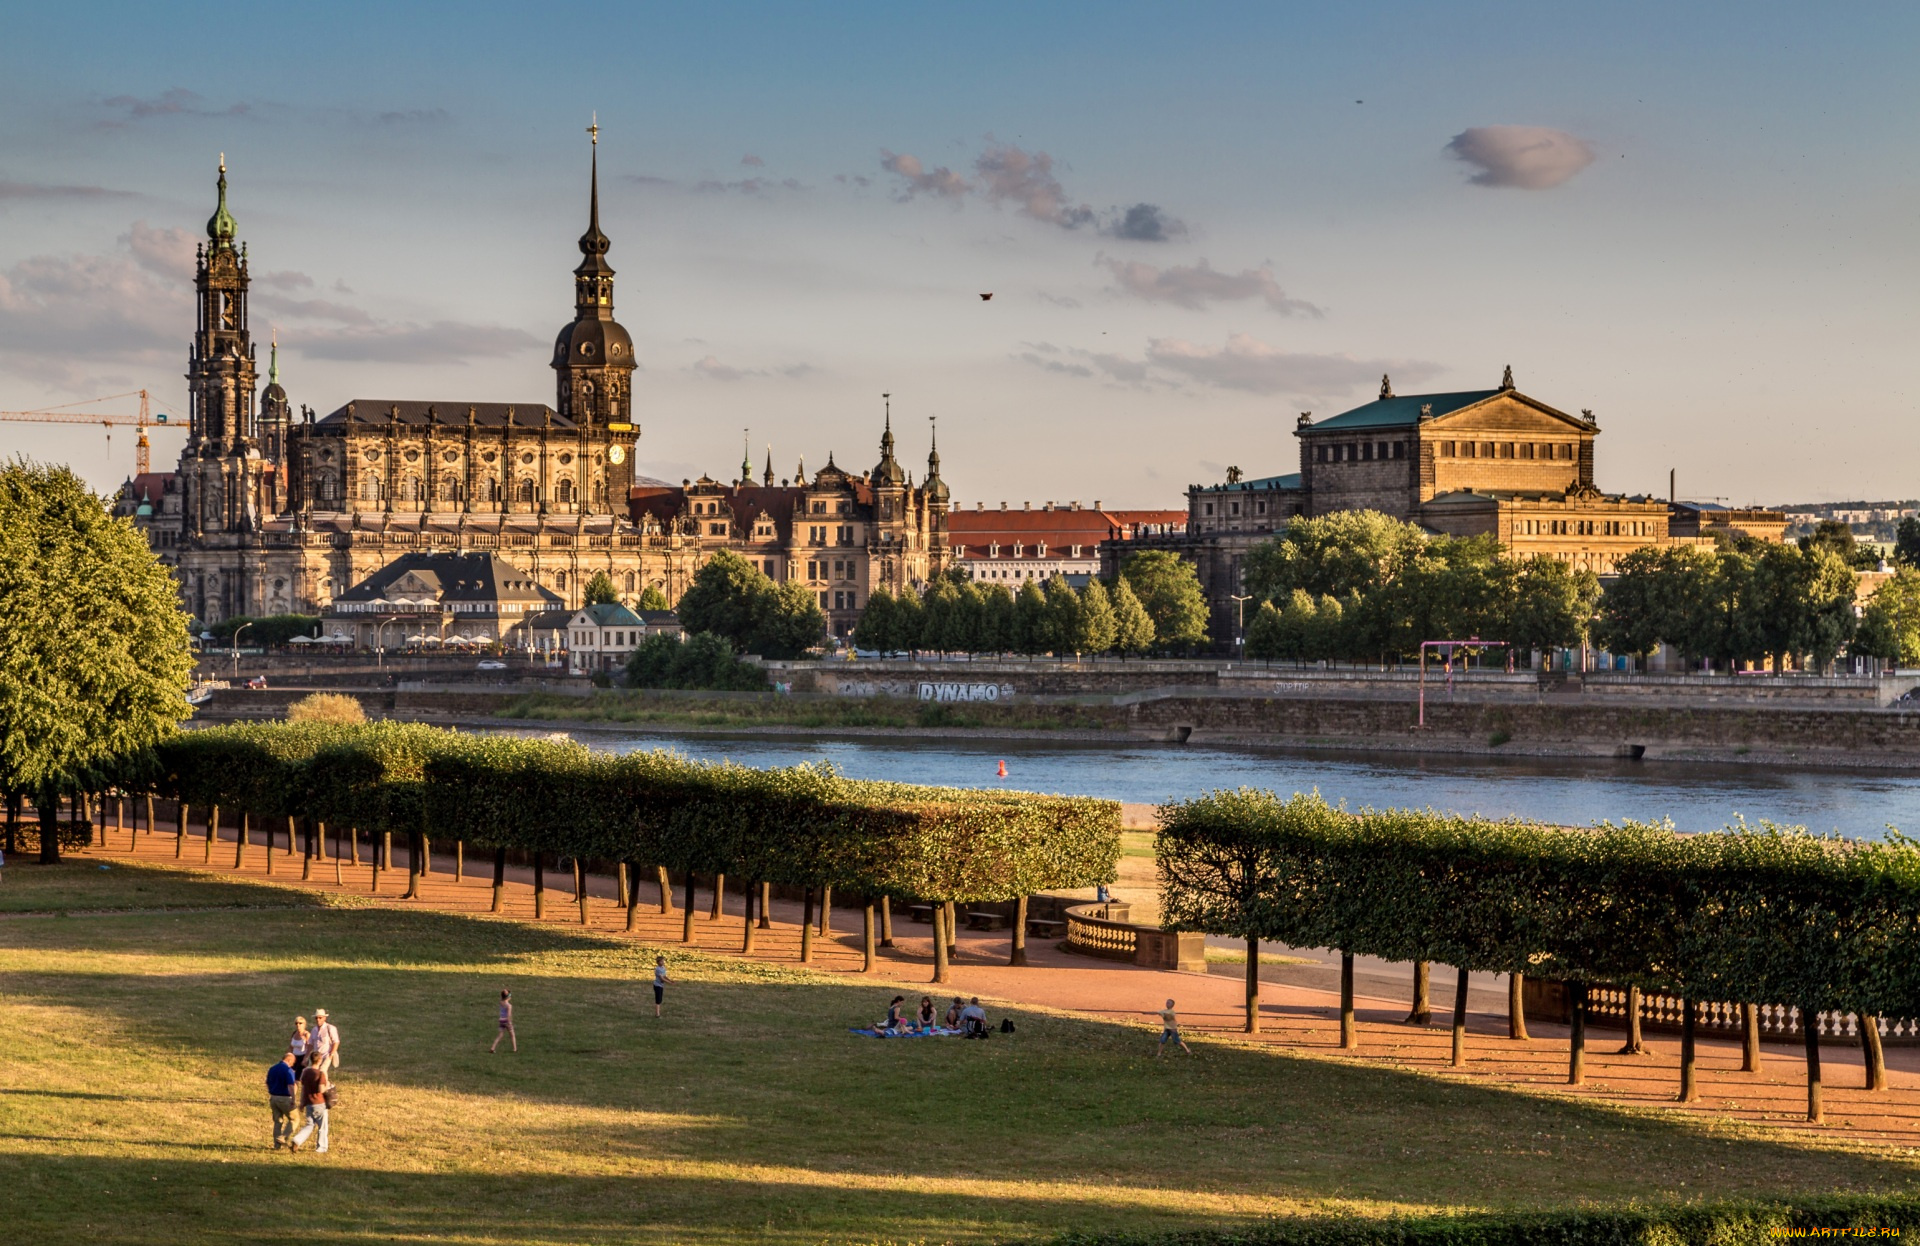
x=62 y=415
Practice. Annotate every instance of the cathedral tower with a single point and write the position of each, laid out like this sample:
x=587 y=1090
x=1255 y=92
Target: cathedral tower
x=593 y=362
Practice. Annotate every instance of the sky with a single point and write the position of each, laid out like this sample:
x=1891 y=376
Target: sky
x=1195 y=221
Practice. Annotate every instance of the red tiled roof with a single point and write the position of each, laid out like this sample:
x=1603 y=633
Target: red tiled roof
x=976 y=531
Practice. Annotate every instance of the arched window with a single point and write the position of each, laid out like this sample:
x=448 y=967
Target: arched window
x=369 y=487
x=564 y=491
x=629 y=581
x=526 y=491
x=491 y=489
x=411 y=490
x=560 y=579
x=449 y=489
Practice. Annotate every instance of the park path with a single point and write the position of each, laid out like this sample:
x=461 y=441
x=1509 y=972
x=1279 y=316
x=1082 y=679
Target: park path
x=1293 y=1017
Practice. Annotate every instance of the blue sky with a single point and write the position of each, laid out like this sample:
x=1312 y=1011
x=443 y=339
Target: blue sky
x=1195 y=221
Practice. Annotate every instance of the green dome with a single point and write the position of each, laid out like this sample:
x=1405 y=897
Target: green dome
x=221 y=226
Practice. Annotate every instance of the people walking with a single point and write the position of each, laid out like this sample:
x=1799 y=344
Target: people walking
x=660 y=980
x=506 y=1023
x=300 y=1045
x=282 y=1084
x=314 y=1086
x=1170 y=1031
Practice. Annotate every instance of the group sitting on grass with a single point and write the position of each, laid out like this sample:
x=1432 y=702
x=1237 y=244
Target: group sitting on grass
x=963 y=1018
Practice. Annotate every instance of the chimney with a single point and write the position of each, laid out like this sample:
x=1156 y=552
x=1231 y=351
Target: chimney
x=1026 y=506
x=1096 y=503
x=1049 y=505
x=1074 y=505
x=1672 y=475
x=1003 y=506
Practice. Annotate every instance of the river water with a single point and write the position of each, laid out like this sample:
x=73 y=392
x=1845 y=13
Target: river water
x=1563 y=791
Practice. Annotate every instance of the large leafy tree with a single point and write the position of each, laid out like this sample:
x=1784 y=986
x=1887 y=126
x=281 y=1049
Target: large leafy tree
x=1333 y=555
x=651 y=598
x=1132 y=625
x=733 y=599
x=875 y=628
x=1063 y=617
x=1097 y=629
x=1890 y=627
x=789 y=622
x=996 y=619
x=94 y=663
x=1169 y=589
x=1549 y=605
x=1906 y=542
x=1031 y=632
x=599 y=591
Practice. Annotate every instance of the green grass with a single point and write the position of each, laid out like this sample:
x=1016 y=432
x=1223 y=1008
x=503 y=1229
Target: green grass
x=1225 y=956
x=1137 y=843
x=80 y=885
x=131 y=1108
x=883 y=712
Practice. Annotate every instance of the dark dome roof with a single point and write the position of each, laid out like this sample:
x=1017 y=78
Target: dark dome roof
x=593 y=342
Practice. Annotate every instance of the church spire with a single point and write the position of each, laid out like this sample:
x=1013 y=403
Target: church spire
x=221 y=227
x=887 y=471
x=769 y=476
x=593 y=279
x=746 y=456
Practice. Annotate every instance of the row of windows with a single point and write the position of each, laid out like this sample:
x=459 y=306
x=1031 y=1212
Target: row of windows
x=1588 y=527
x=840 y=568
x=842 y=535
x=1560 y=450
x=413 y=489
x=1360 y=451
x=842 y=600
x=1233 y=508
x=615 y=639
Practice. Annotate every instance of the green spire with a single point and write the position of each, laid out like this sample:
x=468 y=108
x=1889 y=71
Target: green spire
x=746 y=458
x=221 y=227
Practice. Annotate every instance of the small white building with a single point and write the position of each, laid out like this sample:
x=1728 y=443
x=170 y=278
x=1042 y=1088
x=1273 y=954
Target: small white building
x=602 y=638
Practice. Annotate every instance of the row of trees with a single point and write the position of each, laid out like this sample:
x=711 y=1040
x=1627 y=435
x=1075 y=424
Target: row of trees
x=1361 y=586
x=1155 y=604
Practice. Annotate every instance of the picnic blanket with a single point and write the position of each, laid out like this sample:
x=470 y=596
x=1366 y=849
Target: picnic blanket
x=937 y=1031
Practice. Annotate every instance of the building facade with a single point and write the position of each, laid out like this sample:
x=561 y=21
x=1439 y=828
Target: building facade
x=273 y=511
x=1009 y=546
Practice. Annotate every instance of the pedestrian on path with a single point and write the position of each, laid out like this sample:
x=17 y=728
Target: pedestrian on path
x=282 y=1083
x=300 y=1045
x=660 y=980
x=314 y=1088
x=1170 y=1031
x=506 y=1024
x=323 y=1047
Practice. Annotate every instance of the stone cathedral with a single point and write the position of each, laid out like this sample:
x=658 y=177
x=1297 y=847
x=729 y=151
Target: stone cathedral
x=272 y=510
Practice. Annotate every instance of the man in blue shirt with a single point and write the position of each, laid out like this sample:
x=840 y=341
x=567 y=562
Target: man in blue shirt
x=281 y=1080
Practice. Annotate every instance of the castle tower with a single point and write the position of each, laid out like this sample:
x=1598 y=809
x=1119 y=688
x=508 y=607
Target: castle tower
x=593 y=364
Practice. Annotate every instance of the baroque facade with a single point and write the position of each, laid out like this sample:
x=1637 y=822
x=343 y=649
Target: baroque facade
x=272 y=511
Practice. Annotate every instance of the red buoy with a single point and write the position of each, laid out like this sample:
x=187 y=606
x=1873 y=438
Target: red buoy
x=1003 y=767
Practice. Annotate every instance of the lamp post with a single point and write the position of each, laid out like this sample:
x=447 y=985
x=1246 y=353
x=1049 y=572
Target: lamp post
x=379 y=638
x=1239 y=601
x=235 y=642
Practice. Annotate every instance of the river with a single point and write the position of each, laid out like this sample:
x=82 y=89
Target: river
x=1564 y=791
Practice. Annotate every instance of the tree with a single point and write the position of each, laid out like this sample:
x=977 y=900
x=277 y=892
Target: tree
x=996 y=619
x=908 y=615
x=333 y=708
x=1132 y=625
x=651 y=598
x=725 y=599
x=1837 y=538
x=1097 y=624
x=599 y=591
x=1169 y=590
x=1549 y=605
x=1030 y=622
x=1333 y=555
x=702 y=661
x=788 y=622
x=938 y=608
x=1890 y=628
x=875 y=628
x=1063 y=617
x=1906 y=542
x=269 y=631
x=94 y=663
x=1269 y=639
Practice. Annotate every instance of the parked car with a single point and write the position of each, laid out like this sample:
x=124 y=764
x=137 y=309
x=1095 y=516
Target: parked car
x=258 y=681
x=492 y=664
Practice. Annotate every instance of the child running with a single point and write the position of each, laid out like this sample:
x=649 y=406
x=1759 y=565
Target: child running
x=660 y=980
x=1170 y=1031
x=506 y=1024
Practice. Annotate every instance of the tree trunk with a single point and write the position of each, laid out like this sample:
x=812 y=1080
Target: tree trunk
x=539 y=885
x=353 y=845
x=13 y=821
x=719 y=897
x=580 y=888
x=686 y=925
x=306 y=847
x=764 y=920
x=826 y=911
x=666 y=888
x=1634 y=1046
x=418 y=863
x=1517 y=1006
x=630 y=892
x=1252 y=991
x=1349 y=1035
x=1460 y=1020
x=213 y=831
x=266 y=834
x=49 y=809
x=1875 y=1058
x=1577 y=1039
x=747 y=897
x=240 y=840
x=806 y=926
x=499 y=879
x=1422 y=1003
x=460 y=860
x=866 y=939
x=620 y=884
x=1689 y=1081
x=386 y=851
x=952 y=934
x=149 y=804
x=289 y=834
x=1017 y=954
x=179 y=828
x=886 y=921
x=1810 y=1030
x=939 y=944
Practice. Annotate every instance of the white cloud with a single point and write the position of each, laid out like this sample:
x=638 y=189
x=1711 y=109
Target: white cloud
x=1195 y=286
x=1248 y=364
x=1005 y=174
x=1008 y=174
x=1527 y=157
x=942 y=183
x=63 y=315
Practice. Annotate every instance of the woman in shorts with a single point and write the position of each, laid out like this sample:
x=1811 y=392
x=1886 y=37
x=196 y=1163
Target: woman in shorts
x=506 y=1024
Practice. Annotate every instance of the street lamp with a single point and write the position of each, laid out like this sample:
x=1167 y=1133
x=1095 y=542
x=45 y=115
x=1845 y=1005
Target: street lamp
x=236 y=646
x=1239 y=619
x=379 y=638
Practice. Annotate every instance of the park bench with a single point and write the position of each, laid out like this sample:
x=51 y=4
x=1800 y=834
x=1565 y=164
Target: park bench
x=985 y=919
x=1046 y=928
x=922 y=913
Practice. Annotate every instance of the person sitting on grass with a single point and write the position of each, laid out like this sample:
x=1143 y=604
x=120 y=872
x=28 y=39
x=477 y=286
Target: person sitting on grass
x=925 y=1018
x=973 y=1019
x=894 y=1020
x=953 y=1012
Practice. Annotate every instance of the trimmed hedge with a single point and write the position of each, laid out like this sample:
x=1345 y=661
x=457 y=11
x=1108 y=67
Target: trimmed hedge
x=1725 y=1224
x=1767 y=914
x=802 y=825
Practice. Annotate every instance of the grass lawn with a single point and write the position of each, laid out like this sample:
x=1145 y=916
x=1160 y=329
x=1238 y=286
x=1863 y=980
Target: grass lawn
x=132 y=1048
